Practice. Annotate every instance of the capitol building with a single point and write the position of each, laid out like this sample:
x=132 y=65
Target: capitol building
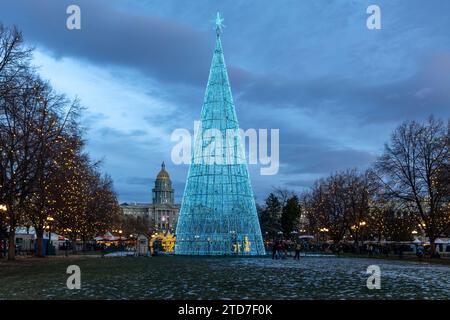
x=163 y=211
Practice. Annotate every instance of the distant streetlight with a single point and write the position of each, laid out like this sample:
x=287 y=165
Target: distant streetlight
x=3 y=207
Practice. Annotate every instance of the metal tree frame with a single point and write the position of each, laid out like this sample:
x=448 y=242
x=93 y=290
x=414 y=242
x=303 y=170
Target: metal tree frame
x=218 y=213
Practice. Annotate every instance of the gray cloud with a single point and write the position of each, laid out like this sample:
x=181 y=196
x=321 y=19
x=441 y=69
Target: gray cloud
x=158 y=47
x=324 y=160
x=425 y=92
x=285 y=59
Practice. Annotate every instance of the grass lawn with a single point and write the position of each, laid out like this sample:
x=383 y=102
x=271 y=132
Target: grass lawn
x=169 y=277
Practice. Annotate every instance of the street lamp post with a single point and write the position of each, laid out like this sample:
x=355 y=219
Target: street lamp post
x=3 y=209
x=121 y=246
x=280 y=235
x=322 y=232
x=49 y=221
x=294 y=234
x=362 y=224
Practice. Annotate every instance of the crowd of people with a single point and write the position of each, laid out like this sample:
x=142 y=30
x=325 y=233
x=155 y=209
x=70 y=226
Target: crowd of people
x=282 y=249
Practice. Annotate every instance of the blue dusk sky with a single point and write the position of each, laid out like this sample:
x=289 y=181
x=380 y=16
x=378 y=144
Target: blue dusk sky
x=310 y=68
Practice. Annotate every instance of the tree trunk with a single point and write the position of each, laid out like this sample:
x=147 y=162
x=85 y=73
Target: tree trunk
x=11 y=245
x=40 y=243
x=3 y=253
x=356 y=242
x=433 y=247
x=83 y=239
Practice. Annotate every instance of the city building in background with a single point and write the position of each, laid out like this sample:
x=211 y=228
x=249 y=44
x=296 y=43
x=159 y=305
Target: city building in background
x=162 y=212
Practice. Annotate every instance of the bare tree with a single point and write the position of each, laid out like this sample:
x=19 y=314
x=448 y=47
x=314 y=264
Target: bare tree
x=102 y=206
x=357 y=196
x=282 y=194
x=54 y=124
x=131 y=224
x=43 y=170
x=18 y=146
x=14 y=57
x=17 y=108
x=414 y=169
x=326 y=207
x=339 y=205
x=87 y=204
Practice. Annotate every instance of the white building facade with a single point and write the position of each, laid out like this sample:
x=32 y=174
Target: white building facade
x=163 y=211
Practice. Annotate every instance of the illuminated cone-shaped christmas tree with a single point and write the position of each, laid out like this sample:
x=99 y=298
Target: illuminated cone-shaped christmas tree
x=218 y=213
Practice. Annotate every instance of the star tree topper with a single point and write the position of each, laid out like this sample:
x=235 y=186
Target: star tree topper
x=219 y=23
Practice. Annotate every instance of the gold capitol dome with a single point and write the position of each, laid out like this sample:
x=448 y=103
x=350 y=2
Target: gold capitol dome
x=163 y=191
x=163 y=174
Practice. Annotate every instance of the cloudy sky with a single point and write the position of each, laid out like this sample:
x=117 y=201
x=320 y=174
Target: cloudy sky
x=310 y=68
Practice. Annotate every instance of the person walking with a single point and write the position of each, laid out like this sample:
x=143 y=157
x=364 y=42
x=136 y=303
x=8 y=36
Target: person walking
x=274 y=250
x=298 y=246
x=283 y=250
x=279 y=249
x=370 y=250
x=419 y=252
